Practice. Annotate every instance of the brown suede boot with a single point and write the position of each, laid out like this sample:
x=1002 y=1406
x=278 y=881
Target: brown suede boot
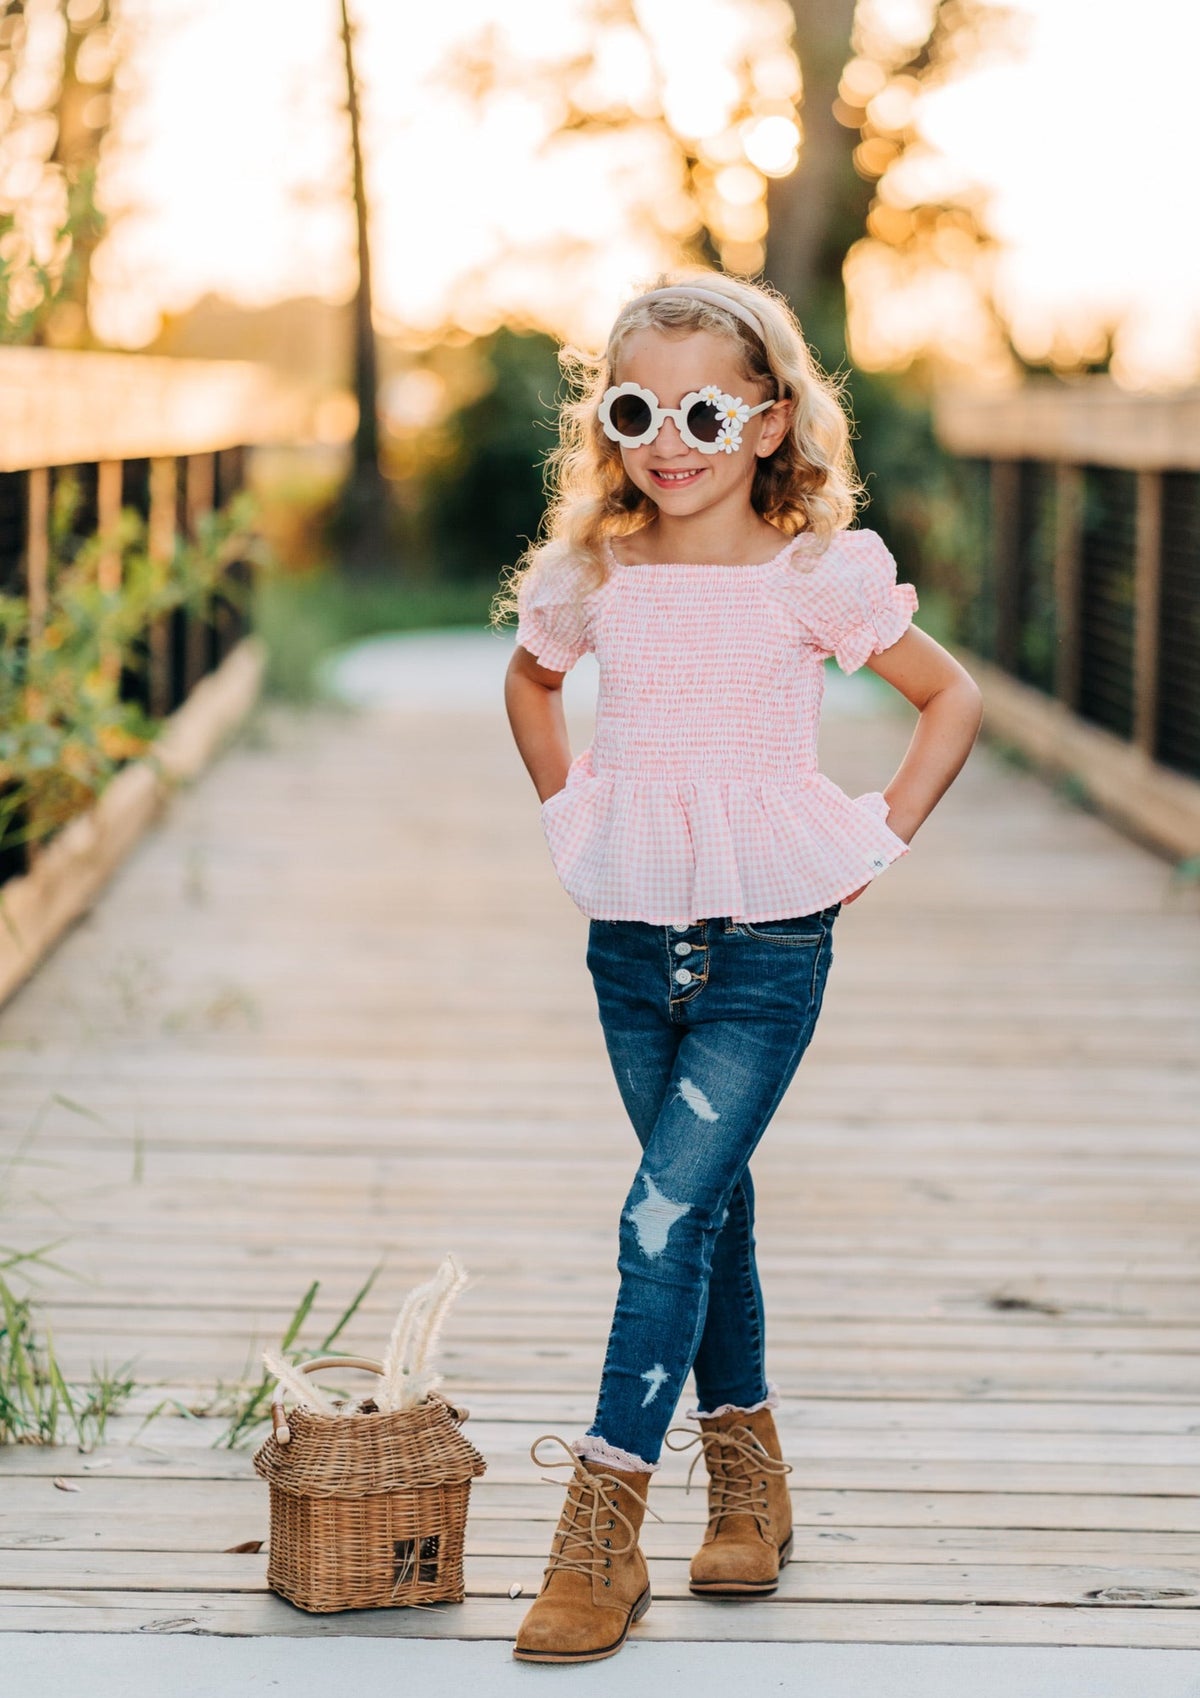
x=749 y=1536
x=595 y=1585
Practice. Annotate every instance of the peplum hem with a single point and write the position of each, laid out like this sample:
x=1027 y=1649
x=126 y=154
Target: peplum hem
x=672 y=851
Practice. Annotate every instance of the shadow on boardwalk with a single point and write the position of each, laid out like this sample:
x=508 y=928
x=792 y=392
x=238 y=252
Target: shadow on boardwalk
x=336 y=1010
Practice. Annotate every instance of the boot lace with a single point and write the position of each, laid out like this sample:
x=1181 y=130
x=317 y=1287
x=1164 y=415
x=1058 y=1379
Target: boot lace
x=583 y=1542
x=738 y=1472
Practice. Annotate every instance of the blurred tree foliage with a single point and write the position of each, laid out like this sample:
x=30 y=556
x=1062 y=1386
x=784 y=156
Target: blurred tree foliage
x=617 y=75
x=476 y=493
x=57 y=60
x=843 y=205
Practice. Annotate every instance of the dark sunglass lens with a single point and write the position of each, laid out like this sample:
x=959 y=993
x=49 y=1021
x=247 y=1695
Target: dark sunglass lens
x=703 y=421
x=630 y=415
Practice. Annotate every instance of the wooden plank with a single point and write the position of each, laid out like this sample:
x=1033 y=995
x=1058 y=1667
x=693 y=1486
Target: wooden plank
x=160 y=542
x=37 y=548
x=954 y=1581
x=59 y=407
x=855 y=1472
x=1090 y=422
x=189 y=1506
x=133 y=1525
x=496 y=1618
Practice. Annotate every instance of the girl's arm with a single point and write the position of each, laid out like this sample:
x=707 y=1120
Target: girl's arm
x=950 y=704
x=533 y=699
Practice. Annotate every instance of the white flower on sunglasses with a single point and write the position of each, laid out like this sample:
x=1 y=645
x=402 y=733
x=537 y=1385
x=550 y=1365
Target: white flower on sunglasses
x=729 y=438
x=732 y=409
x=712 y=393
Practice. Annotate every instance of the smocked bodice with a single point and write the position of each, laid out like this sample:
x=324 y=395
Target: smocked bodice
x=724 y=692
x=700 y=794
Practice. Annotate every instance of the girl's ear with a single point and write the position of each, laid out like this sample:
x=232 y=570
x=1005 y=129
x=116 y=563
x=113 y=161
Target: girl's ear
x=776 y=425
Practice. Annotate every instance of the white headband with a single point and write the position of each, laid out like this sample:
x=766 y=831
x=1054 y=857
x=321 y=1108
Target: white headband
x=693 y=291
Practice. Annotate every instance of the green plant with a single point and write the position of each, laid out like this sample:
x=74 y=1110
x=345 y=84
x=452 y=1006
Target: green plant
x=249 y=1410
x=35 y=1397
x=244 y=1403
x=66 y=729
x=105 y=1394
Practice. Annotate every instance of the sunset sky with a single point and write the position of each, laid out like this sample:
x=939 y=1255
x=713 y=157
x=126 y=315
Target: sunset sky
x=227 y=164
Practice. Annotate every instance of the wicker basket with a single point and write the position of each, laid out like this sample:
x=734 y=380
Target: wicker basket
x=368 y=1511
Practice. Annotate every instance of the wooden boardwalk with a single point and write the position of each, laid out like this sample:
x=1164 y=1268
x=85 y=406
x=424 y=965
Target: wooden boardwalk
x=336 y=1011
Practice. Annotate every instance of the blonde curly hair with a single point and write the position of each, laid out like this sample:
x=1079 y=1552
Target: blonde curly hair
x=808 y=484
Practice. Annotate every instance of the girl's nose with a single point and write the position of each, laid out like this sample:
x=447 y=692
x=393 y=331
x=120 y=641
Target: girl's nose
x=669 y=439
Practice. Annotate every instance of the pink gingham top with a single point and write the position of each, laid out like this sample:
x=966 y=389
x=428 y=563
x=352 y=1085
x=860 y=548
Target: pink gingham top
x=700 y=795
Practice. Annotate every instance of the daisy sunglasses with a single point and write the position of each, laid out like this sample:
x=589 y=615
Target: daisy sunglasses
x=708 y=419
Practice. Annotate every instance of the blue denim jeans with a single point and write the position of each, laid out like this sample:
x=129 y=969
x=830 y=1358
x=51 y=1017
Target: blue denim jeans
x=705 y=1027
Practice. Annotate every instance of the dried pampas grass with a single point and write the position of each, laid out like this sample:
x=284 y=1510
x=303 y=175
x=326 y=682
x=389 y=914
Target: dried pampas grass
x=302 y=1386
x=408 y=1375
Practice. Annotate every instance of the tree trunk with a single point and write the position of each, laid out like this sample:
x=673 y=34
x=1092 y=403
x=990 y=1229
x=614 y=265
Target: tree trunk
x=819 y=210
x=362 y=524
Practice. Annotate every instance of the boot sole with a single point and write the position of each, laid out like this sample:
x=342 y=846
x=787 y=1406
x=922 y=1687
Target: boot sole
x=638 y=1611
x=744 y=1588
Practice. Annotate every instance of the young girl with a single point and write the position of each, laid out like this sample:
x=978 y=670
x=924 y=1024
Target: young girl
x=697 y=545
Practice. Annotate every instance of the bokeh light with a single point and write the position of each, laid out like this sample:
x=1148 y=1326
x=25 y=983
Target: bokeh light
x=225 y=171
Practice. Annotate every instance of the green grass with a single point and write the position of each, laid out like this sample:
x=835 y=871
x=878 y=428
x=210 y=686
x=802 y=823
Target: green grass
x=245 y=1403
x=301 y=617
x=36 y=1402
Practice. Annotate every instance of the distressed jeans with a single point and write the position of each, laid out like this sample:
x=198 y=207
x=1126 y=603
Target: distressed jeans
x=705 y=1026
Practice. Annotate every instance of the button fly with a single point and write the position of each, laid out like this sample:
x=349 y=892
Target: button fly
x=683 y=977
x=679 y=928
x=683 y=949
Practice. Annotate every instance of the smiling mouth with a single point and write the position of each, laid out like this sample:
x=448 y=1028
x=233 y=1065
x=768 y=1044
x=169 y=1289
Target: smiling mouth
x=677 y=480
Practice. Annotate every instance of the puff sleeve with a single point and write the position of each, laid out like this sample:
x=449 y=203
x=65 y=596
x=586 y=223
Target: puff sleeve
x=857 y=608
x=551 y=621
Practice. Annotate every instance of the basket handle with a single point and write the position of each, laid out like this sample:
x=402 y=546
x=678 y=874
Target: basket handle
x=279 y=1426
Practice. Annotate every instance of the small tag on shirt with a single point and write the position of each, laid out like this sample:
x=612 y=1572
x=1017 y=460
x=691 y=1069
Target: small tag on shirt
x=879 y=862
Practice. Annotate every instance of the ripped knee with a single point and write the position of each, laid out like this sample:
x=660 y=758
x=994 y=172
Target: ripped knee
x=653 y=1217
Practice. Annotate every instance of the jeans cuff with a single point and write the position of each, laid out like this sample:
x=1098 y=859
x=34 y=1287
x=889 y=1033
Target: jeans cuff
x=592 y=1449
x=770 y=1401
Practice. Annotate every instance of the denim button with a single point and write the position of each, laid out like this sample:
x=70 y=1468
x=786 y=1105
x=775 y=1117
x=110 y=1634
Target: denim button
x=683 y=977
x=683 y=949
x=679 y=928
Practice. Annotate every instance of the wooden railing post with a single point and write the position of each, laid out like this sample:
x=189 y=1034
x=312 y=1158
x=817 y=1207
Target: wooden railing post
x=200 y=493
x=108 y=566
x=161 y=542
x=1147 y=592
x=1068 y=563
x=37 y=550
x=108 y=524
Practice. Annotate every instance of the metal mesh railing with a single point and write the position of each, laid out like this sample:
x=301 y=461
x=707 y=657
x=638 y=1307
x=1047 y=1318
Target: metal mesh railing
x=1178 y=708
x=1037 y=620
x=1108 y=544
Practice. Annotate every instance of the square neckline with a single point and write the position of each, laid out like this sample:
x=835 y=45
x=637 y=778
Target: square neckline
x=700 y=565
